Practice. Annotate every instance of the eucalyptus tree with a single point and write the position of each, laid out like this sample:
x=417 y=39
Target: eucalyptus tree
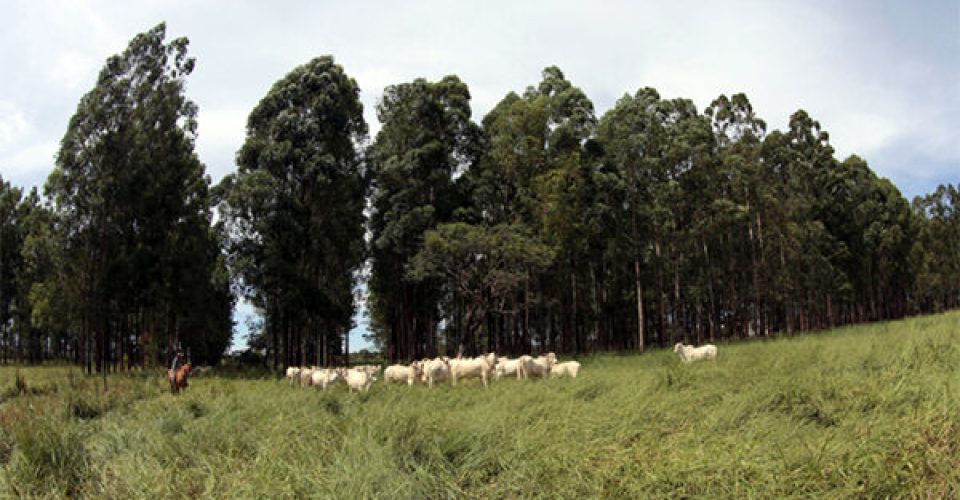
x=128 y=190
x=535 y=173
x=741 y=205
x=11 y=242
x=630 y=133
x=427 y=139
x=294 y=210
x=49 y=299
x=657 y=148
x=935 y=256
x=482 y=267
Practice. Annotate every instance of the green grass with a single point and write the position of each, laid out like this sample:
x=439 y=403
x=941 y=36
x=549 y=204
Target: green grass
x=868 y=411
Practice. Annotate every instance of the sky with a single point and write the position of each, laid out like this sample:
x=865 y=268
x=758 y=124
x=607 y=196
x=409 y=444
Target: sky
x=882 y=77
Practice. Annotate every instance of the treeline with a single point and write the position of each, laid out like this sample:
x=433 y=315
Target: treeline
x=543 y=227
x=546 y=228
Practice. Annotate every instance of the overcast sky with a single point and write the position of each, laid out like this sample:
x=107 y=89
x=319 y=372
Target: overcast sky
x=883 y=77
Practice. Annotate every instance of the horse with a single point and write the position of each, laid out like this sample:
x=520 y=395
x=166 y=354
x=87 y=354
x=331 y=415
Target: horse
x=178 y=380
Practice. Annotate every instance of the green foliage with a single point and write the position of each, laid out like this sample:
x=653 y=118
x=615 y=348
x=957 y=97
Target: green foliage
x=935 y=255
x=427 y=138
x=480 y=266
x=294 y=209
x=131 y=208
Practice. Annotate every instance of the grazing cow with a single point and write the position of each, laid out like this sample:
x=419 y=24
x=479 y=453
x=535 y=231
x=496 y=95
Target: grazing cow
x=507 y=367
x=402 y=373
x=689 y=354
x=568 y=368
x=479 y=367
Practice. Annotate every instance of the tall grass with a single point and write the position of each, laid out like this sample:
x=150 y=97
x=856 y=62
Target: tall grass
x=864 y=411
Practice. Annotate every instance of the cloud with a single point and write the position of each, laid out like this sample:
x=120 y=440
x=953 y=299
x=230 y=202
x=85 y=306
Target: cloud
x=30 y=164
x=13 y=126
x=72 y=70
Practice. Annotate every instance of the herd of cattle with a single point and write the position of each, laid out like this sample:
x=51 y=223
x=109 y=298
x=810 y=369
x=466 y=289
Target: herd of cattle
x=427 y=371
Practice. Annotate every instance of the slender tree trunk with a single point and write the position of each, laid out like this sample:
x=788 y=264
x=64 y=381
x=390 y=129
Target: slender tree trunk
x=661 y=312
x=595 y=309
x=711 y=314
x=526 y=313
x=676 y=304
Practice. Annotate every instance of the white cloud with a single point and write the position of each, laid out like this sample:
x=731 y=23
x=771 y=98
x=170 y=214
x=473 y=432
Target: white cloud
x=29 y=164
x=13 y=126
x=73 y=70
x=862 y=133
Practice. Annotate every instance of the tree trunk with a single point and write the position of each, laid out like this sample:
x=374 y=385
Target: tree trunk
x=639 y=289
x=661 y=312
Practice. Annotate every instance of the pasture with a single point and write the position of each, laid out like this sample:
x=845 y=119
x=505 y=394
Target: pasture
x=870 y=411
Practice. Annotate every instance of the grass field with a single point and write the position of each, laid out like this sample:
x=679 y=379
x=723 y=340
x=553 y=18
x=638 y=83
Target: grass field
x=869 y=411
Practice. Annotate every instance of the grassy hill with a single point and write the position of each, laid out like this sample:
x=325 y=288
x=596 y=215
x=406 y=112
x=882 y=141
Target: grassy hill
x=867 y=411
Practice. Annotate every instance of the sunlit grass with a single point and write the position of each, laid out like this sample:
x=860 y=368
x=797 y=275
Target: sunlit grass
x=863 y=411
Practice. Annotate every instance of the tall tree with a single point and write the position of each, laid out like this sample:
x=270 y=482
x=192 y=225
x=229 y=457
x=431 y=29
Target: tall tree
x=535 y=173
x=11 y=242
x=295 y=210
x=935 y=256
x=128 y=191
x=427 y=138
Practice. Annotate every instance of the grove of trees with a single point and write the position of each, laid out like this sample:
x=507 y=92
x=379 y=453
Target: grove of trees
x=542 y=227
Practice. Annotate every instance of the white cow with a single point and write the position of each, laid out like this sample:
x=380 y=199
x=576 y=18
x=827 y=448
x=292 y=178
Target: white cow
x=689 y=354
x=306 y=376
x=403 y=373
x=479 y=367
x=293 y=374
x=506 y=367
x=325 y=377
x=568 y=368
x=435 y=370
x=536 y=367
x=358 y=379
x=368 y=369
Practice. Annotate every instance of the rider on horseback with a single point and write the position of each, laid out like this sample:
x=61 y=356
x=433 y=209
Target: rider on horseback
x=178 y=361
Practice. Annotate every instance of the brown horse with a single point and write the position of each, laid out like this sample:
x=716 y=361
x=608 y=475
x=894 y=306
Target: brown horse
x=178 y=380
